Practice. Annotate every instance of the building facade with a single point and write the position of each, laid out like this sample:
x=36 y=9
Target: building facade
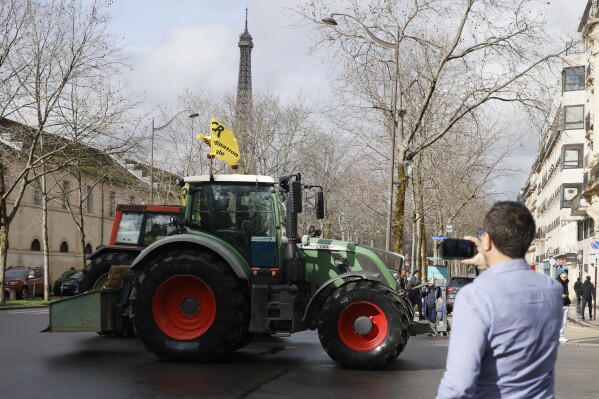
x=80 y=195
x=562 y=191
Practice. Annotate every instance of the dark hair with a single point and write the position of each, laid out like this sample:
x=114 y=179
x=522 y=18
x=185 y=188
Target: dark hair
x=511 y=228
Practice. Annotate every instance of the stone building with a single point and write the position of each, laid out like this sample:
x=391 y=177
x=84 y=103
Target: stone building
x=85 y=187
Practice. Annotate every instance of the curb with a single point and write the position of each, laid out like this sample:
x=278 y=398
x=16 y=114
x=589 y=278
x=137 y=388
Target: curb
x=2 y=308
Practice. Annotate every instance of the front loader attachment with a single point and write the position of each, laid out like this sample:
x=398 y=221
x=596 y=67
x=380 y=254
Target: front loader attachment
x=92 y=311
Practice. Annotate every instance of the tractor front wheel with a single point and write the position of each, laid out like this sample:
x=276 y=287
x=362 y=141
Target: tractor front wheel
x=361 y=325
x=190 y=306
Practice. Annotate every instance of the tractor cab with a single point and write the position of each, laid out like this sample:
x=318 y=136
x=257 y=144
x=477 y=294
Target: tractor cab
x=242 y=210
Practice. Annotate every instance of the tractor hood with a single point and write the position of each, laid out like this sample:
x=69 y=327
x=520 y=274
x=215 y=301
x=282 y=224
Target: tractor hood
x=392 y=260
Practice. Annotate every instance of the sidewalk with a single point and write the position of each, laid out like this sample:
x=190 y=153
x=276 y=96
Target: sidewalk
x=574 y=316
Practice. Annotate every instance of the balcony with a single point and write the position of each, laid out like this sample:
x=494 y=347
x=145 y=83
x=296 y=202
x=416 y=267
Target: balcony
x=589 y=17
x=579 y=206
x=592 y=178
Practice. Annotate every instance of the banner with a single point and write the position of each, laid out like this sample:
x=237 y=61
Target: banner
x=223 y=143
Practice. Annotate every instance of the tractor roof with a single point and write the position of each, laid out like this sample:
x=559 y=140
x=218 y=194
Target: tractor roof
x=231 y=179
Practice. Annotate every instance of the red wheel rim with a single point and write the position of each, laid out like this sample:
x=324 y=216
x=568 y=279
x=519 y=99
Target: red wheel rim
x=356 y=341
x=184 y=307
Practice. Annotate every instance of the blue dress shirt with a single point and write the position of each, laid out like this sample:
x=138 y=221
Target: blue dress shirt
x=504 y=336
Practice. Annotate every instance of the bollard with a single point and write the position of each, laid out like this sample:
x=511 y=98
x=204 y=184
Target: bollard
x=12 y=295
x=32 y=293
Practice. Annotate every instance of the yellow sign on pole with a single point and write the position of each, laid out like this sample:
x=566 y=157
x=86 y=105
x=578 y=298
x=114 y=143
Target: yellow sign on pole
x=184 y=193
x=223 y=142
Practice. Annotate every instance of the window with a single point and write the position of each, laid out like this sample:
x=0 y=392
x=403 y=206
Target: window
x=35 y=245
x=589 y=227
x=66 y=187
x=573 y=79
x=112 y=203
x=569 y=191
x=572 y=155
x=574 y=117
x=129 y=228
x=222 y=209
x=89 y=201
x=37 y=193
x=64 y=247
x=88 y=248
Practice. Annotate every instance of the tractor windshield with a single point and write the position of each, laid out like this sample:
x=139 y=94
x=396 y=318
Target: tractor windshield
x=234 y=212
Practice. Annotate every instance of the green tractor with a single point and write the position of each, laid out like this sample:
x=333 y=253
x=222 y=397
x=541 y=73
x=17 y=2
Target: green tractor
x=235 y=267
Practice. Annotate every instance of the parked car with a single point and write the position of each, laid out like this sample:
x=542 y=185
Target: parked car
x=24 y=280
x=66 y=284
x=452 y=288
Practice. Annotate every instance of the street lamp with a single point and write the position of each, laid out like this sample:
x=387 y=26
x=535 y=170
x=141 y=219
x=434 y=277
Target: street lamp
x=154 y=130
x=396 y=95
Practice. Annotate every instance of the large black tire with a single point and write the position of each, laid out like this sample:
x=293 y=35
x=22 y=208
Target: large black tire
x=95 y=273
x=189 y=306
x=363 y=325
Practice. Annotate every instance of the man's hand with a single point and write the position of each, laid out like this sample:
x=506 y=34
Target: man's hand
x=477 y=260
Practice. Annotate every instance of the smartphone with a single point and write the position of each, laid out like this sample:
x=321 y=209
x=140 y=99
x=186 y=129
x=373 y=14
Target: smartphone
x=456 y=248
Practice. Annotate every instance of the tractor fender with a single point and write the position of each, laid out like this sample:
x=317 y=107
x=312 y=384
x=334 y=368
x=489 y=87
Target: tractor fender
x=219 y=248
x=321 y=290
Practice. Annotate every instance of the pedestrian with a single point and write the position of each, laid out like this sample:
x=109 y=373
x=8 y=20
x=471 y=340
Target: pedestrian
x=588 y=296
x=506 y=323
x=403 y=278
x=562 y=278
x=414 y=292
x=431 y=295
x=578 y=290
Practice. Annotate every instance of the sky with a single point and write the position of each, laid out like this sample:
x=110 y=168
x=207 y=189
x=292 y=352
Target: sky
x=177 y=45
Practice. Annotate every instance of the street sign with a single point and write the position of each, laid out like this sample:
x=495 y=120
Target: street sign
x=595 y=244
x=437 y=238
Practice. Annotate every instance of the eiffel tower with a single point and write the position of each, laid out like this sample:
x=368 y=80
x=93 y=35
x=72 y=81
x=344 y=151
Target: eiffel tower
x=243 y=106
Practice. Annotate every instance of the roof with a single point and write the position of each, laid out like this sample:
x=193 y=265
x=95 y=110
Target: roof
x=236 y=178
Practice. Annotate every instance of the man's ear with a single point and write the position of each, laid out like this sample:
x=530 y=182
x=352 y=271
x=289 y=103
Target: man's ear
x=487 y=242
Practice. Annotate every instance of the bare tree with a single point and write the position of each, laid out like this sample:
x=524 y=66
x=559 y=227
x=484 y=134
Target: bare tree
x=63 y=48
x=458 y=59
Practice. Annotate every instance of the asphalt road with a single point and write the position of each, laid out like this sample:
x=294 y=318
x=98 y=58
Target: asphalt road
x=63 y=365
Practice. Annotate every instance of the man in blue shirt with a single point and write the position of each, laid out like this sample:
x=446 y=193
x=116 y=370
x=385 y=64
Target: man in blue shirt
x=506 y=323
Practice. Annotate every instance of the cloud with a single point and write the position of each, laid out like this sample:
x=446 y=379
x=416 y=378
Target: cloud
x=192 y=57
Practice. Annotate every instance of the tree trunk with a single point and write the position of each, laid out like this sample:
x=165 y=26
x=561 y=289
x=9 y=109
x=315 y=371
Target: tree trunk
x=400 y=202
x=45 y=240
x=422 y=237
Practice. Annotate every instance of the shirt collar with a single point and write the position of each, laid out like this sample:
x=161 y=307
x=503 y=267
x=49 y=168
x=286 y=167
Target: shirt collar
x=512 y=264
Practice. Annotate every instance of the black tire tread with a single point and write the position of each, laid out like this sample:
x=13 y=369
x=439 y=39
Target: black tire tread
x=100 y=266
x=376 y=361
x=229 y=330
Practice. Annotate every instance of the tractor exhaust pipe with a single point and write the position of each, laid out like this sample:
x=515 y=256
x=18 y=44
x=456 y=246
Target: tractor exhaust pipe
x=294 y=262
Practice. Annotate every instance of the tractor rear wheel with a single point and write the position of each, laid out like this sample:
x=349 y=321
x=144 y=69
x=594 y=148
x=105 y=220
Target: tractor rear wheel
x=96 y=271
x=190 y=306
x=363 y=325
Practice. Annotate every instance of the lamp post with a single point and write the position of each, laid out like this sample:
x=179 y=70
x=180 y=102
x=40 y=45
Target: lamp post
x=395 y=113
x=154 y=130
